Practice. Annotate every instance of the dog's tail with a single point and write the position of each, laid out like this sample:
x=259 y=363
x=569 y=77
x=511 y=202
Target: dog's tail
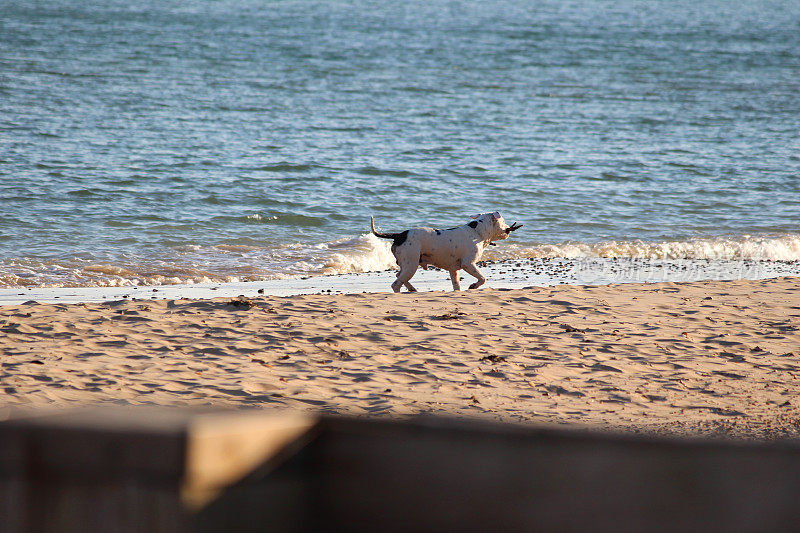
x=382 y=235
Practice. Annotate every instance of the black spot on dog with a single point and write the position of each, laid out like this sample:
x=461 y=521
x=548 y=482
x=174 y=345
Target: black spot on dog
x=473 y=224
x=400 y=238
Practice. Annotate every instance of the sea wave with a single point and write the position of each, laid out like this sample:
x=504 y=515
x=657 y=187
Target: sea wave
x=230 y=263
x=731 y=248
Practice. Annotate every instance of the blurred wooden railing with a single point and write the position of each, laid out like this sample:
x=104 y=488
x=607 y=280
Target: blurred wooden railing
x=150 y=470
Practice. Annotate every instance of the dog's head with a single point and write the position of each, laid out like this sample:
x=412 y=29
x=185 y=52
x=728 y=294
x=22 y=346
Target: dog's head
x=493 y=226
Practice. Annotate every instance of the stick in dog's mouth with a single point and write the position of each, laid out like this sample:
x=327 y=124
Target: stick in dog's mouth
x=513 y=227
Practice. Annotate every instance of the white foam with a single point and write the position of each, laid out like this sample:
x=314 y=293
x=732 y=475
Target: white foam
x=365 y=253
x=744 y=247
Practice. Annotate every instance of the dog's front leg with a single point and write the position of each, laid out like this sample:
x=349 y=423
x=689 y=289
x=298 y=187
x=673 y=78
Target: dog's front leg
x=471 y=269
x=454 y=279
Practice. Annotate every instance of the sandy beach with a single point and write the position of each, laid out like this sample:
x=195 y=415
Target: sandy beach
x=714 y=357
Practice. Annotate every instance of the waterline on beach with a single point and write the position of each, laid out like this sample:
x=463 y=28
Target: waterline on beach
x=505 y=274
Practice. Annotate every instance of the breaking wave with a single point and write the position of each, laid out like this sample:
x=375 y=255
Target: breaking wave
x=739 y=248
x=230 y=263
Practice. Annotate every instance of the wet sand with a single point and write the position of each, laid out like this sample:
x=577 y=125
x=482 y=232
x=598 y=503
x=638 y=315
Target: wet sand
x=711 y=357
x=505 y=274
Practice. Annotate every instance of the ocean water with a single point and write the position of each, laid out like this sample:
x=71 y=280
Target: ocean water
x=209 y=141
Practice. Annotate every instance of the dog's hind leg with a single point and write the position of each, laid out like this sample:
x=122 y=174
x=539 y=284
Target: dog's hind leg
x=454 y=279
x=472 y=270
x=407 y=271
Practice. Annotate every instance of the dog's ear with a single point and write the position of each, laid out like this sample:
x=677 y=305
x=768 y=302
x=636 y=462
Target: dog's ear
x=496 y=215
x=473 y=217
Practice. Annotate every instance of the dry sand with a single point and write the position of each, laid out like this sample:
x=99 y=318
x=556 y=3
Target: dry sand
x=701 y=357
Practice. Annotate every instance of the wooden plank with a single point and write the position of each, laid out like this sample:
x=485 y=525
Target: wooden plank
x=12 y=482
x=101 y=442
x=282 y=500
x=444 y=476
x=134 y=469
x=223 y=448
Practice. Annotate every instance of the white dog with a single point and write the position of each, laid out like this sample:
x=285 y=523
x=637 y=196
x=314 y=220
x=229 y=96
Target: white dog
x=449 y=249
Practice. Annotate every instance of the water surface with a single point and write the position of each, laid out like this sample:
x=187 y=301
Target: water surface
x=173 y=142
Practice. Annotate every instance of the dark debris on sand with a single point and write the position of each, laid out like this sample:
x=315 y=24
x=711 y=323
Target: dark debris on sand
x=242 y=302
